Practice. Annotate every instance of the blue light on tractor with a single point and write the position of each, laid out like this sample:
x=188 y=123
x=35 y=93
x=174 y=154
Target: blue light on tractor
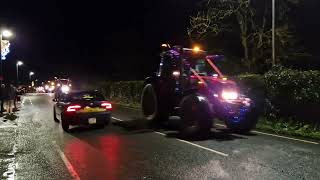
x=241 y=116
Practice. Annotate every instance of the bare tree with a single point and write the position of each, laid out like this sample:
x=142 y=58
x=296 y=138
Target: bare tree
x=251 y=20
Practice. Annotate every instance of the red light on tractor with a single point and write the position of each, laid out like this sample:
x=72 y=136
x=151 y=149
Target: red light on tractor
x=106 y=105
x=73 y=108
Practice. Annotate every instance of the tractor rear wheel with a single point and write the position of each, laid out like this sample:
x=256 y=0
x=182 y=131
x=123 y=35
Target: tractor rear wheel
x=152 y=110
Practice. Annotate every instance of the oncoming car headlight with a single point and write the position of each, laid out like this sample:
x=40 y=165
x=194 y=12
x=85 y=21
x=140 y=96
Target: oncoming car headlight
x=229 y=95
x=65 y=89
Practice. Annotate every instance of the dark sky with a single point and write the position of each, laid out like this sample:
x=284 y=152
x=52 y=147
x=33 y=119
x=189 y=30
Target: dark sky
x=105 y=38
x=109 y=38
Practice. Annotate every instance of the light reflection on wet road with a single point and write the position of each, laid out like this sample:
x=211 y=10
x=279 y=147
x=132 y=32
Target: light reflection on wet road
x=35 y=147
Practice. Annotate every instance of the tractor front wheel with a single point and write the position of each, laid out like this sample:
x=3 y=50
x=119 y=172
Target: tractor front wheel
x=195 y=116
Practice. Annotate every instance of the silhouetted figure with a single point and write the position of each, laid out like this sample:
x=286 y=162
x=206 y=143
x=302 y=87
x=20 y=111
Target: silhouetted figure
x=11 y=96
x=2 y=97
x=15 y=99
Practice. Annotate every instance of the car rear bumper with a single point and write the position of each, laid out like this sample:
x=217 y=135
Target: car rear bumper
x=83 y=118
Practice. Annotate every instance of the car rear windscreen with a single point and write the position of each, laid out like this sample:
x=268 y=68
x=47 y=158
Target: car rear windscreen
x=89 y=96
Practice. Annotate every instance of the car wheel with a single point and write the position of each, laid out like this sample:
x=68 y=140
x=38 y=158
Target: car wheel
x=151 y=109
x=195 y=116
x=101 y=126
x=107 y=121
x=65 y=124
x=55 y=115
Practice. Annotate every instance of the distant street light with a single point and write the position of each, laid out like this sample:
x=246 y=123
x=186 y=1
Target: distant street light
x=31 y=74
x=19 y=63
x=4 y=33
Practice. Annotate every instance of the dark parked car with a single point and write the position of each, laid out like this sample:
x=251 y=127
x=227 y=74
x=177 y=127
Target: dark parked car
x=82 y=108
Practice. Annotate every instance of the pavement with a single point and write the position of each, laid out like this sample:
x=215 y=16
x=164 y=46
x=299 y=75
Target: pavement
x=35 y=147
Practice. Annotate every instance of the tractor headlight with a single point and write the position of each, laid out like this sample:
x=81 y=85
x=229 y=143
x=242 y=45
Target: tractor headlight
x=229 y=95
x=65 y=89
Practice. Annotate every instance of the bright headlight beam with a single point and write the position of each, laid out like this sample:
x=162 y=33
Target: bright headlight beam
x=229 y=95
x=65 y=89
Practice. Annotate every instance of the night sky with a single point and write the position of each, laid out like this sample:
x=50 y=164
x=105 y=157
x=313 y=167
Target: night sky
x=109 y=39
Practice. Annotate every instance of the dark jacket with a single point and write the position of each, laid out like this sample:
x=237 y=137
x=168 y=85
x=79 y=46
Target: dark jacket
x=3 y=93
x=11 y=93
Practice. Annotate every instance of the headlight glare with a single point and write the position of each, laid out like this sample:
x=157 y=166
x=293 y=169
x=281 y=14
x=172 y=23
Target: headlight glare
x=229 y=95
x=65 y=89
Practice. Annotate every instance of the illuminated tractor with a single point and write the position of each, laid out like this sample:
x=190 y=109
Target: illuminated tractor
x=190 y=85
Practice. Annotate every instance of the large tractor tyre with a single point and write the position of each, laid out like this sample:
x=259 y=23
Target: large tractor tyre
x=195 y=116
x=244 y=122
x=152 y=109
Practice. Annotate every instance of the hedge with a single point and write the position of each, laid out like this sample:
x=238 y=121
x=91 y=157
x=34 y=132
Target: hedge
x=290 y=95
x=125 y=92
x=294 y=94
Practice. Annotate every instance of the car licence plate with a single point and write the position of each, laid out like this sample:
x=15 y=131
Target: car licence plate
x=91 y=110
x=92 y=120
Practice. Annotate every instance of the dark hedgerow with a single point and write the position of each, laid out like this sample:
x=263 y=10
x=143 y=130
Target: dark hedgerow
x=293 y=93
x=288 y=99
x=127 y=92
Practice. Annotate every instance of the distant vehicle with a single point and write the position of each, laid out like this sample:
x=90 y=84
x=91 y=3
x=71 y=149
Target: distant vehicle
x=62 y=86
x=190 y=85
x=49 y=87
x=82 y=108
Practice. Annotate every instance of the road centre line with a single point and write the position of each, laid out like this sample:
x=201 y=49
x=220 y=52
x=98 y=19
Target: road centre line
x=196 y=145
x=66 y=162
x=279 y=136
x=190 y=143
x=263 y=133
x=117 y=119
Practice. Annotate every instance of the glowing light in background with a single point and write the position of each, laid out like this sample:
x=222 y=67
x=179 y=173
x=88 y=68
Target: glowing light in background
x=196 y=49
x=6 y=33
x=5 y=49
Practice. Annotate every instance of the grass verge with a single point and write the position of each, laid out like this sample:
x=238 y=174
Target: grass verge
x=287 y=127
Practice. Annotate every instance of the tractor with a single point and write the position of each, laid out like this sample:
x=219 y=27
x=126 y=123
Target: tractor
x=189 y=85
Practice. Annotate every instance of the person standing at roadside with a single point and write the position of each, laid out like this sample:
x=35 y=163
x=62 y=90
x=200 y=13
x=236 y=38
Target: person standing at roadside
x=2 y=97
x=15 y=99
x=11 y=96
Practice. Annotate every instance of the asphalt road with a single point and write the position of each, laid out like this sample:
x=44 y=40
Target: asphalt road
x=35 y=147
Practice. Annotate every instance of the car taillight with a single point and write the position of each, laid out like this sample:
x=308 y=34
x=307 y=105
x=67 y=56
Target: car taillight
x=106 y=105
x=73 y=108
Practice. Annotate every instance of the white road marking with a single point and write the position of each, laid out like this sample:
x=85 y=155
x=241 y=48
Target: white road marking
x=162 y=134
x=196 y=145
x=117 y=119
x=208 y=149
x=279 y=136
x=284 y=137
x=30 y=100
x=221 y=125
x=8 y=126
x=67 y=163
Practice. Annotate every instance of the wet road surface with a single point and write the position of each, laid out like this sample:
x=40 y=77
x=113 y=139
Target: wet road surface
x=35 y=147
